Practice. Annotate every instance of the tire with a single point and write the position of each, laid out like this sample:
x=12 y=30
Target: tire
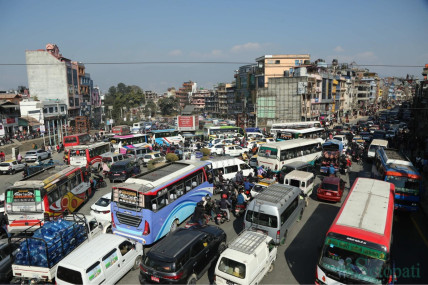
x=222 y=247
x=137 y=263
x=271 y=267
x=12 y=172
x=192 y=279
x=111 y=180
x=174 y=226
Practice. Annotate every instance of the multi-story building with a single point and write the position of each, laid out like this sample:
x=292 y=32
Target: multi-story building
x=54 y=77
x=198 y=99
x=184 y=93
x=9 y=115
x=221 y=91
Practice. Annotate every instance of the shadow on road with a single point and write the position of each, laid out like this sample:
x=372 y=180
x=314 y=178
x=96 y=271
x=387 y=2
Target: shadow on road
x=303 y=252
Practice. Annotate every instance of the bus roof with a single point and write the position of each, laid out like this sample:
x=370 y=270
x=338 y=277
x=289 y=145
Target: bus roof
x=367 y=212
x=392 y=156
x=162 y=131
x=291 y=143
x=45 y=177
x=148 y=181
x=79 y=147
x=130 y=136
x=296 y=124
x=75 y=135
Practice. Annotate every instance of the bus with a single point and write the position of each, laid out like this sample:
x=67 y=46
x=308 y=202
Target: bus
x=121 y=130
x=357 y=246
x=278 y=127
x=150 y=205
x=88 y=156
x=76 y=139
x=165 y=137
x=120 y=143
x=306 y=133
x=275 y=155
x=44 y=195
x=222 y=132
x=390 y=165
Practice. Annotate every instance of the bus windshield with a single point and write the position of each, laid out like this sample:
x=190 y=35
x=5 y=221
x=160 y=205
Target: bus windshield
x=404 y=183
x=24 y=200
x=268 y=152
x=354 y=261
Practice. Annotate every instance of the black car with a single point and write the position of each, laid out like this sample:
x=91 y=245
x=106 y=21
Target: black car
x=8 y=252
x=122 y=170
x=296 y=165
x=183 y=256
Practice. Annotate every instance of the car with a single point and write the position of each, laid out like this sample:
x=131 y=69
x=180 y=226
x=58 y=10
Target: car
x=331 y=189
x=253 y=161
x=122 y=170
x=101 y=208
x=296 y=165
x=35 y=155
x=183 y=256
x=262 y=185
x=153 y=155
x=137 y=154
x=11 y=166
x=235 y=150
x=217 y=149
x=390 y=134
x=8 y=252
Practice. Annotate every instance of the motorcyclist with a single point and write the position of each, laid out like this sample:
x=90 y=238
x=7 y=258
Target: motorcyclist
x=198 y=214
x=242 y=198
x=247 y=184
x=239 y=177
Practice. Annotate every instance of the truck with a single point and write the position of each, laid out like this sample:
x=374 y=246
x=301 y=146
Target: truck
x=40 y=253
x=331 y=154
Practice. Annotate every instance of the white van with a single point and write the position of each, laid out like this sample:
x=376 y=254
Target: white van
x=111 y=157
x=247 y=259
x=255 y=136
x=343 y=139
x=230 y=166
x=105 y=259
x=302 y=179
x=375 y=144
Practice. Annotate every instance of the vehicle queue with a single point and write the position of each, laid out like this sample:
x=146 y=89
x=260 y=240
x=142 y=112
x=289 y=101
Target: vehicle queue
x=272 y=213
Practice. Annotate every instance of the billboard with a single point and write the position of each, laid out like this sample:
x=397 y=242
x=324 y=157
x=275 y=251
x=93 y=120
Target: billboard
x=188 y=123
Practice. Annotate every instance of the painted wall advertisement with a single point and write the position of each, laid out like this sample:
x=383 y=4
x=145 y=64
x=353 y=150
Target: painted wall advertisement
x=188 y=123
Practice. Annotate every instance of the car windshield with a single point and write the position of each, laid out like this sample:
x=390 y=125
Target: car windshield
x=261 y=219
x=31 y=153
x=259 y=188
x=330 y=187
x=117 y=167
x=103 y=202
x=232 y=267
x=4 y=164
x=294 y=182
x=159 y=265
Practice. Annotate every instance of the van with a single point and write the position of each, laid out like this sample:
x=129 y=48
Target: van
x=275 y=210
x=302 y=179
x=105 y=259
x=375 y=144
x=247 y=259
x=137 y=154
x=230 y=166
x=111 y=157
x=343 y=139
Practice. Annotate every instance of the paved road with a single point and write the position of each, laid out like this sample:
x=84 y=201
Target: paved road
x=297 y=258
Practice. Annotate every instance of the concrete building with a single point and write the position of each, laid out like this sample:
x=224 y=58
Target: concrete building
x=54 y=77
x=198 y=99
x=185 y=92
x=51 y=114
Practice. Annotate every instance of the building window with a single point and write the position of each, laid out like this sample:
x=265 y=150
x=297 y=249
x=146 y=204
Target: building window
x=277 y=61
x=76 y=101
x=296 y=62
x=50 y=109
x=45 y=110
x=62 y=109
x=56 y=109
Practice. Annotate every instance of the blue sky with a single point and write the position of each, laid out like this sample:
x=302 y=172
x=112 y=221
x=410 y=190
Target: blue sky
x=367 y=32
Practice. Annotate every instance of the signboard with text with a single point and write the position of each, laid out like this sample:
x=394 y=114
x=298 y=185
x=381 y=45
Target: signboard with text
x=187 y=123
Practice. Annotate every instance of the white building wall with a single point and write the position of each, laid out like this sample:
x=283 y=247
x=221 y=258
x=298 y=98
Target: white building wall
x=47 y=76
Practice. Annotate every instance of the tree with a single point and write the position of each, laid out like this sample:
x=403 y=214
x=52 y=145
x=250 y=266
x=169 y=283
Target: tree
x=123 y=96
x=150 y=109
x=169 y=105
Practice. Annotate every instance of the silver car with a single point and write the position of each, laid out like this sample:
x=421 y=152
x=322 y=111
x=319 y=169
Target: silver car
x=35 y=155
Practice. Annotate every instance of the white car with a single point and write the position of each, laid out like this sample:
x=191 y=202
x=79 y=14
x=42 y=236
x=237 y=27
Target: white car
x=11 y=166
x=101 y=208
x=149 y=156
x=217 y=149
x=35 y=155
x=235 y=150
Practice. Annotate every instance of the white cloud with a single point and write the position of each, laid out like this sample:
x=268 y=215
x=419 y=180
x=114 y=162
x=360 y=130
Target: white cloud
x=175 y=52
x=246 y=47
x=339 y=49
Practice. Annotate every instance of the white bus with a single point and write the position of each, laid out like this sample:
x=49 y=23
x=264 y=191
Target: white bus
x=306 y=133
x=275 y=155
x=294 y=125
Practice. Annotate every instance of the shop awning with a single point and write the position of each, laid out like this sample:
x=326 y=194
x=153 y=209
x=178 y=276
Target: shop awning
x=28 y=121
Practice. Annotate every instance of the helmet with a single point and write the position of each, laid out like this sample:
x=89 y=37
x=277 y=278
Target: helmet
x=224 y=196
x=207 y=197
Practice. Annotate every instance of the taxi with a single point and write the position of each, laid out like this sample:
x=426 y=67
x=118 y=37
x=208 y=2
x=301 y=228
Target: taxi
x=261 y=185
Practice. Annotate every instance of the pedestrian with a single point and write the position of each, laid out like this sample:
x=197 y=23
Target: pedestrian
x=19 y=158
x=2 y=156
x=224 y=205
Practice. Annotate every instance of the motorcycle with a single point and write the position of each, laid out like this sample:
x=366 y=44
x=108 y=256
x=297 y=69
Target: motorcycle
x=100 y=180
x=193 y=223
x=220 y=216
x=240 y=209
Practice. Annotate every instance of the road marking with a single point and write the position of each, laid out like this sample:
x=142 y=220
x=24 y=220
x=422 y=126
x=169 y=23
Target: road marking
x=418 y=229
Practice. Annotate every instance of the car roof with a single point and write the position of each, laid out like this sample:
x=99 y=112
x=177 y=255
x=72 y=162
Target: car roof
x=296 y=164
x=331 y=180
x=122 y=162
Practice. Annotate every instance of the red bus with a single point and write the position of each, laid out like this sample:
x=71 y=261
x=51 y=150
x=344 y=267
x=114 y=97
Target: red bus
x=46 y=194
x=88 y=155
x=121 y=130
x=76 y=139
x=357 y=245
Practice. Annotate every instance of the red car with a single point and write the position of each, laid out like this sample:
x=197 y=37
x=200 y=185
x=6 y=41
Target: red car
x=331 y=189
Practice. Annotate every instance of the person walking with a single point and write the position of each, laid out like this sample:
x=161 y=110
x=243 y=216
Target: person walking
x=225 y=205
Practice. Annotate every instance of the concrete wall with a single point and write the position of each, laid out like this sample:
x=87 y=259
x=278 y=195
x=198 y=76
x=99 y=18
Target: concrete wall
x=46 y=81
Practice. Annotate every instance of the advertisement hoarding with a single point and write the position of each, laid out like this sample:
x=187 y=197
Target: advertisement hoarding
x=187 y=123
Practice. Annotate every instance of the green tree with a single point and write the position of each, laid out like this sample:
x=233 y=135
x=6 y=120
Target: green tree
x=169 y=105
x=150 y=109
x=123 y=96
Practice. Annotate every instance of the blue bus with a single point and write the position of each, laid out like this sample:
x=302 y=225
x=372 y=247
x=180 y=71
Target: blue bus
x=150 y=205
x=392 y=166
x=331 y=152
x=165 y=137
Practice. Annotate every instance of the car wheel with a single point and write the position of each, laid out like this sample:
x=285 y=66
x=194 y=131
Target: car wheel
x=137 y=263
x=271 y=268
x=12 y=172
x=222 y=247
x=192 y=279
x=174 y=226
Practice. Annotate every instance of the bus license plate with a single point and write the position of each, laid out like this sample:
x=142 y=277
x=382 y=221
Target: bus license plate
x=156 y=279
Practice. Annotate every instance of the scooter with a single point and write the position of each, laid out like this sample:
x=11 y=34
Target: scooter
x=240 y=209
x=192 y=223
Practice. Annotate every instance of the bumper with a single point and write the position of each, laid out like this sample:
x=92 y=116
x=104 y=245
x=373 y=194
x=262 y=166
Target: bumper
x=328 y=198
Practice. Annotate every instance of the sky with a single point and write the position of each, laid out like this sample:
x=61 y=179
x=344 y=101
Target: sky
x=226 y=33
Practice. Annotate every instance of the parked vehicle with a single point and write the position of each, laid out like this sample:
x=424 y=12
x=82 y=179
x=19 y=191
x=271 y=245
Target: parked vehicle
x=36 y=155
x=331 y=189
x=39 y=263
x=275 y=210
x=247 y=259
x=106 y=258
x=101 y=208
x=8 y=252
x=122 y=170
x=183 y=256
x=11 y=167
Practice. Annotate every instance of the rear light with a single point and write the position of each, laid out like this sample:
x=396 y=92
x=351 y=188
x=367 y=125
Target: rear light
x=109 y=173
x=146 y=228
x=278 y=233
x=18 y=274
x=143 y=269
x=113 y=225
x=176 y=277
x=106 y=212
x=124 y=172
